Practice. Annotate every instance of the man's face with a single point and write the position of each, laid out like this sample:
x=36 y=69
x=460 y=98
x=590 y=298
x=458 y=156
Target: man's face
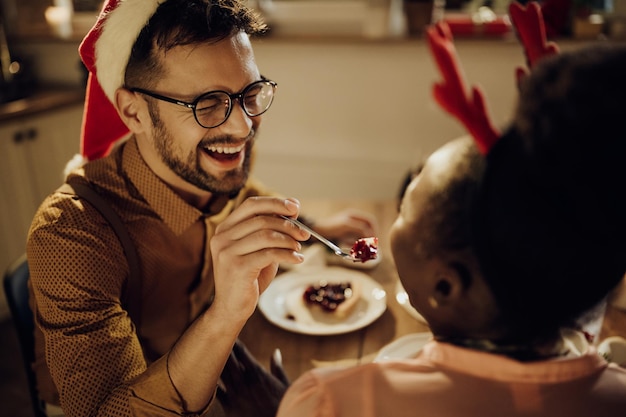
x=217 y=159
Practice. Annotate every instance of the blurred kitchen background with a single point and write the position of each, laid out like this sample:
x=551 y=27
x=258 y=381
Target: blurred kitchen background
x=353 y=112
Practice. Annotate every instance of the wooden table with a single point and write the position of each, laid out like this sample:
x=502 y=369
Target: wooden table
x=302 y=352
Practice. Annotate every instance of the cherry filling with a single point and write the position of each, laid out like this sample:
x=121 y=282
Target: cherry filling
x=328 y=296
x=365 y=249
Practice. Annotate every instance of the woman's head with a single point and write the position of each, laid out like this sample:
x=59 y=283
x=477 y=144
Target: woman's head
x=543 y=215
x=551 y=215
x=432 y=244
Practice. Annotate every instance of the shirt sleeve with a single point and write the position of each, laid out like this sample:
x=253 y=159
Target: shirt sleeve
x=78 y=273
x=306 y=397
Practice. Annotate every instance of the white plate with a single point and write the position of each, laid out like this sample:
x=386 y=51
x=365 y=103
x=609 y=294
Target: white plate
x=273 y=302
x=405 y=347
x=403 y=299
x=613 y=349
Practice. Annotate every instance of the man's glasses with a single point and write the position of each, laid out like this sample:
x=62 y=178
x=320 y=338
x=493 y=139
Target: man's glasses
x=213 y=108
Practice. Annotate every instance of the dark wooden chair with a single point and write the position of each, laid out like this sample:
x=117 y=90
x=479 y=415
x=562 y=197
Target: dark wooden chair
x=16 y=290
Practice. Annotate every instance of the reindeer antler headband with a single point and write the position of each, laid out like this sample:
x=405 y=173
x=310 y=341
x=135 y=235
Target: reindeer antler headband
x=532 y=33
x=471 y=110
x=451 y=93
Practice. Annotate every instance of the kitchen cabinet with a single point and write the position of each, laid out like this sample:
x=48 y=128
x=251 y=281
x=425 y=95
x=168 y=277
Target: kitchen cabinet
x=33 y=153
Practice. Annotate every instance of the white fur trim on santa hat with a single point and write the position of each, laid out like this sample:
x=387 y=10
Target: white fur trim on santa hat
x=119 y=33
x=76 y=162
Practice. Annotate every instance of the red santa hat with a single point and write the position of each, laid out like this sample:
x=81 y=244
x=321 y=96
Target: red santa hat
x=105 y=51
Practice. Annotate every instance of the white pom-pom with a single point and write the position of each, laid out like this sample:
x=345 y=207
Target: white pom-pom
x=76 y=162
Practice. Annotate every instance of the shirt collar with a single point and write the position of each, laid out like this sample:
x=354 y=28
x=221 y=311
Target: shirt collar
x=173 y=210
x=502 y=368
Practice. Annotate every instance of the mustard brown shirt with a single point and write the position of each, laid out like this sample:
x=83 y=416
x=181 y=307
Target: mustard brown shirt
x=101 y=364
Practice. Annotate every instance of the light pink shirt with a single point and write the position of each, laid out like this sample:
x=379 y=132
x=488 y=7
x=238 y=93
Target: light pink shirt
x=446 y=380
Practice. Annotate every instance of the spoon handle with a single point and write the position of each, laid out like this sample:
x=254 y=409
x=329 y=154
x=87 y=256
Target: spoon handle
x=316 y=235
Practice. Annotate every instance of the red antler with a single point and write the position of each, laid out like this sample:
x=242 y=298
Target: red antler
x=451 y=93
x=532 y=33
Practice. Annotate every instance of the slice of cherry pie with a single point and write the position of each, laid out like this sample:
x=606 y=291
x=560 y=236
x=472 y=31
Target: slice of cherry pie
x=324 y=302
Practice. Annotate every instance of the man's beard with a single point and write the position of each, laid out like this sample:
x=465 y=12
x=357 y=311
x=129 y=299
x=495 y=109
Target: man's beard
x=191 y=171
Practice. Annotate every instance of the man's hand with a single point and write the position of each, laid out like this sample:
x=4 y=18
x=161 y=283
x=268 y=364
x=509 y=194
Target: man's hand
x=347 y=226
x=247 y=389
x=247 y=248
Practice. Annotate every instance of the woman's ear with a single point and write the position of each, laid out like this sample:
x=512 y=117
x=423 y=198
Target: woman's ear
x=459 y=301
x=448 y=286
x=131 y=109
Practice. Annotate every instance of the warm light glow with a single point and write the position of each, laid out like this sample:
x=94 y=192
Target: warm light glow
x=14 y=67
x=60 y=19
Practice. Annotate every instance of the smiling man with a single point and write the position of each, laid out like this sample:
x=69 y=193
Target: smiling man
x=177 y=80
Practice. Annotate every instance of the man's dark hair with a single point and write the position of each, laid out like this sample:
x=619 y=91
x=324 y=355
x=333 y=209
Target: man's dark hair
x=186 y=22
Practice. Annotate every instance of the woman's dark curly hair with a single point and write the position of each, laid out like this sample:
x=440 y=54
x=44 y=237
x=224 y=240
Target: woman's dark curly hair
x=545 y=211
x=551 y=233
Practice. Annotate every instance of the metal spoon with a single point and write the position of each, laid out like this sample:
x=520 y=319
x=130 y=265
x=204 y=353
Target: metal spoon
x=336 y=249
